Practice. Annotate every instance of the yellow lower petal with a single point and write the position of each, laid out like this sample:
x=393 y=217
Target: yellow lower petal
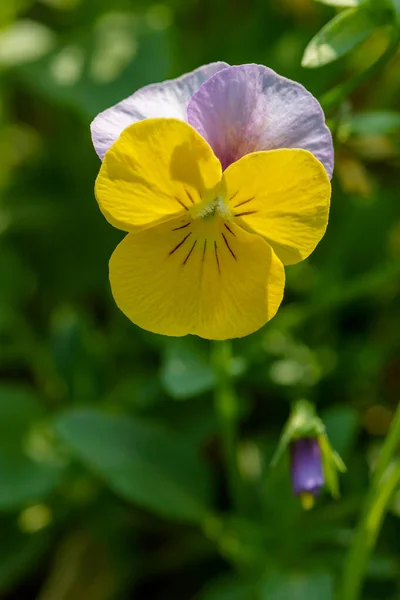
x=282 y=195
x=203 y=277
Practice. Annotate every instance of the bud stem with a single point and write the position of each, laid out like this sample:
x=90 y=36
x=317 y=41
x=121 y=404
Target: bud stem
x=384 y=482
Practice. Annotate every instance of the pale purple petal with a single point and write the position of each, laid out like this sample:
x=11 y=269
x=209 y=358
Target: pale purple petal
x=167 y=99
x=247 y=108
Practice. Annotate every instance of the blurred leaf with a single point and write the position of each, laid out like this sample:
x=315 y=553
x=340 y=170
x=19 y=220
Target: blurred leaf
x=297 y=586
x=140 y=392
x=120 y=54
x=186 y=371
x=142 y=462
x=23 y=481
x=374 y=122
x=338 y=37
x=24 y=41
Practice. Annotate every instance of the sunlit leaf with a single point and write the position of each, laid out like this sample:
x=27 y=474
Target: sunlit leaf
x=343 y=33
x=341 y=3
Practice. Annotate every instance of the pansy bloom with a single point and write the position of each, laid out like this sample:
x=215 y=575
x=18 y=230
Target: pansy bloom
x=220 y=178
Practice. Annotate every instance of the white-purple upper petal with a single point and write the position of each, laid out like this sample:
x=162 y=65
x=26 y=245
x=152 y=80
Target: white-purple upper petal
x=167 y=99
x=247 y=108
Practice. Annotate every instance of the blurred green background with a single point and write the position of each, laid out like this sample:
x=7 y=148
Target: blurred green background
x=112 y=482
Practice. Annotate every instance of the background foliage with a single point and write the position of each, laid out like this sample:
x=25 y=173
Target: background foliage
x=111 y=477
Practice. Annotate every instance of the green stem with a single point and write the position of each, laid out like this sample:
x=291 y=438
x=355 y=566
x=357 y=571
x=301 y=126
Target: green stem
x=226 y=407
x=340 y=92
x=384 y=482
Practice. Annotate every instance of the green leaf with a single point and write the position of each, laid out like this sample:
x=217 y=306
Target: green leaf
x=339 y=36
x=140 y=461
x=122 y=53
x=297 y=586
x=374 y=122
x=186 y=371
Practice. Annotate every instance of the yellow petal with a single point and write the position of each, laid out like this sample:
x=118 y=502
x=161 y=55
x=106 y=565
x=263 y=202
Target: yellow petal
x=282 y=195
x=202 y=277
x=156 y=170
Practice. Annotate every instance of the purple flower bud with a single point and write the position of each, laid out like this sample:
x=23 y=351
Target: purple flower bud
x=306 y=466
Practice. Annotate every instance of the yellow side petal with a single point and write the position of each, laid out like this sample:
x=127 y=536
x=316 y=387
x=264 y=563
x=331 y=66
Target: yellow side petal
x=284 y=196
x=156 y=170
x=205 y=278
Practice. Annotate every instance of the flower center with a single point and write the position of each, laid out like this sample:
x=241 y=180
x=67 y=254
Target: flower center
x=205 y=230
x=207 y=209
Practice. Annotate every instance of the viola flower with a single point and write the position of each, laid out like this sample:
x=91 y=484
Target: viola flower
x=306 y=469
x=219 y=181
